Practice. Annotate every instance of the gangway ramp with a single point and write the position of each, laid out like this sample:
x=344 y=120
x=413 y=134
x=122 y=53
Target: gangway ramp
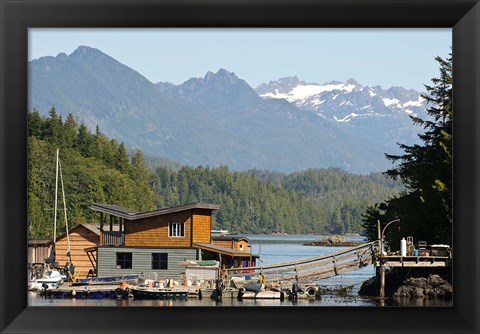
x=312 y=269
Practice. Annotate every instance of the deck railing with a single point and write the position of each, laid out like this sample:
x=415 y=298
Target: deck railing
x=315 y=268
x=113 y=238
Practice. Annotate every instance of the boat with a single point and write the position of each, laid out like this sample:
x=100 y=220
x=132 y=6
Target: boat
x=49 y=280
x=253 y=287
x=268 y=294
x=52 y=275
x=139 y=292
x=111 y=280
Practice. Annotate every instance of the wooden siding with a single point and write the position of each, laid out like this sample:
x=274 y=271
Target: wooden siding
x=142 y=261
x=80 y=238
x=233 y=244
x=239 y=243
x=38 y=253
x=223 y=243
x=201 y=225
x=153 y=231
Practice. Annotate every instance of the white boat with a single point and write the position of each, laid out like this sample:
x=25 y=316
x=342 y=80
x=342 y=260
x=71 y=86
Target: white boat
x=50 y=280
x=51 y=277
x=267 y=294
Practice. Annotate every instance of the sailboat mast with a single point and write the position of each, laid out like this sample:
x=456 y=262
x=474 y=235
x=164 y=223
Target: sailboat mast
x=56 y=199
x=65 y=211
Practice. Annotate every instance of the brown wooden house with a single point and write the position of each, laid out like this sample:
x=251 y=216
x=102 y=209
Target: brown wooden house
x=131 y=243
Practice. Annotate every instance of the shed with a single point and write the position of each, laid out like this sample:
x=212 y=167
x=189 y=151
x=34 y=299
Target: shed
x=38 y=250
x=81 y=236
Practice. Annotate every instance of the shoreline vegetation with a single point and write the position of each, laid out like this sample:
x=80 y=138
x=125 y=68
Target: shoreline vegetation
x=332 y=240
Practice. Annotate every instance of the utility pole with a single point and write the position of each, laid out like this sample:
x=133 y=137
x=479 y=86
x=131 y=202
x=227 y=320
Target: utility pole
x=382 y=268
x=381 y=234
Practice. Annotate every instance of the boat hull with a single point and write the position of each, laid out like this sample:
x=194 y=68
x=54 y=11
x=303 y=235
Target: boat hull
x=263 y=295
x=153 y=293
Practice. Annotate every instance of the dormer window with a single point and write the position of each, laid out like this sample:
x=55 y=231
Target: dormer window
x=176 y=230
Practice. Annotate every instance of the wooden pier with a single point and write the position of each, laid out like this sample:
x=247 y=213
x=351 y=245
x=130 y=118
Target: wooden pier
x=311 y=269
x=317 y=268
x=413 y=261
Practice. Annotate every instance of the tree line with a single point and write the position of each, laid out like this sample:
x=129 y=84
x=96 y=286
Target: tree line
x=97 y=169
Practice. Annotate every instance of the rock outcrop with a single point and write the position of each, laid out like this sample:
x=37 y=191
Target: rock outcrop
x=332 y=240
x=421 y=287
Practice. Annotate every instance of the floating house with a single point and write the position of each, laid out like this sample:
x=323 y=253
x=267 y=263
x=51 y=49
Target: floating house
x=161 y=241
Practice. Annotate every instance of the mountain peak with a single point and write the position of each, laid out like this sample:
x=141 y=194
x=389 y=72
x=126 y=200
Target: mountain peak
x=352 y=81
x=87 y=52
x=222 y=74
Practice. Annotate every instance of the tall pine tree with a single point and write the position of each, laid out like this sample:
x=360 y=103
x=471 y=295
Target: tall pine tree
x=425 y=207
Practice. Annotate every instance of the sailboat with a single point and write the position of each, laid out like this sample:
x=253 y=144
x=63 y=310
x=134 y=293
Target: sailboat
x=51 y=276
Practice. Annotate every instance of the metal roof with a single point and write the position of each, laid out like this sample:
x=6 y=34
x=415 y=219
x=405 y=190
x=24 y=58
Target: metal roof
x=222 y=250
x=127 y=214
x=228 y=237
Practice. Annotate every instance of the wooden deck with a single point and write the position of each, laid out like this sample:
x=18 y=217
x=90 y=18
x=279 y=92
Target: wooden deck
x=414 y=261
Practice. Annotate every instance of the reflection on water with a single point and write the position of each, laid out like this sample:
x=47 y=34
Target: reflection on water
x=326 y=300
x=272 y=249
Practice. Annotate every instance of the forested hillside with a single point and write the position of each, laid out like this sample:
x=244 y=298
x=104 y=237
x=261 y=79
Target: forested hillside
x=313 y=201
x=97 y=169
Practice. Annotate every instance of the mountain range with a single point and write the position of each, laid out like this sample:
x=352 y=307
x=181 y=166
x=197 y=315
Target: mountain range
x=285 y=125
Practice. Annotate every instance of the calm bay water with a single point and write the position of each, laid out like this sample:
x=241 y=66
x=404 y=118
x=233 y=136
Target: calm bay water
x=272 y=249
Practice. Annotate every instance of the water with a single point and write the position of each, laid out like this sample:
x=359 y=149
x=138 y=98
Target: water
x=272 y=249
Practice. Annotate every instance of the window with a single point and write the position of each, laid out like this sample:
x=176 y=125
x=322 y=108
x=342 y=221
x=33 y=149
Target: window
x=176 y=229
x=124 y=260
x=159 y=261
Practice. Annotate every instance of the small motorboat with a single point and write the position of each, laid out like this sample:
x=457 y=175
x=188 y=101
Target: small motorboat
x=139 y=292
x=265 y=294
x=49 y=280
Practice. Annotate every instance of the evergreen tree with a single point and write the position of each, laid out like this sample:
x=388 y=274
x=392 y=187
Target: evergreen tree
x=70 y=131
x=54 y=128
x=85 y=142
x=425 y=207
x=121 y=161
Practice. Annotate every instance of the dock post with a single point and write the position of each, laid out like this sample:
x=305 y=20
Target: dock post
x=382 y=268
x=382 y=280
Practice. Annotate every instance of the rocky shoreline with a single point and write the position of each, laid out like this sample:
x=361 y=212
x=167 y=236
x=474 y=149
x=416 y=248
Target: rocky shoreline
x=420 y=283
x=333 y=240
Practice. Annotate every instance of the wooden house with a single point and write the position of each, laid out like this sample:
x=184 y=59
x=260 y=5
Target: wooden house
x=240 y=245
x=131 y=243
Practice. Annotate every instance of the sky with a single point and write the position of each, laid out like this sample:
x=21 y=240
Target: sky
x=385 y=57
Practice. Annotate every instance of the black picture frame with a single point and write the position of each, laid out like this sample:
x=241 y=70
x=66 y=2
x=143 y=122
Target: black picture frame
x=17 y=16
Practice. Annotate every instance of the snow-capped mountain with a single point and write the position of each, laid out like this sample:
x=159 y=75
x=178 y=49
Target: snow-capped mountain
x=345 y=102
x=287 y=125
